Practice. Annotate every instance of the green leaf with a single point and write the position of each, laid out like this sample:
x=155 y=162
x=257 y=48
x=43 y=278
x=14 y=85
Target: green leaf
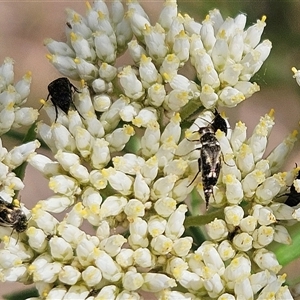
x=22 y=295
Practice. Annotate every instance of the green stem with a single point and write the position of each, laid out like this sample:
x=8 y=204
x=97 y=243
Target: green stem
x=201 y=220
x=190 y=109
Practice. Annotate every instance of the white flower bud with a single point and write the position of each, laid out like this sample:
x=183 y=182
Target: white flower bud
x=143 y=258
x=7 y=71
x=156 y=225
x=233 y=215
x=91 y=276
x=44 y=164
x=154 y=282
x=208 y=96
x=238 y=269
x=163 y=186
x=60 y=249
x=242 y=241
x=85 y=252
x=181 y=46
x=59 y=48
x=36 y=239
x=263 y=236
x=99 y=86
x=148 y=72
x=64 y=185
x=281 y=235
x=156 y=94
x=125 y=258
x=19 y=154
x=219 y=54
x=105 y=49
x=165 y=206
x=132 y=86
x=254 y=59
x=182 y=246
x=86 y=70
x=234 y=190
x=266 y=260
x=169 y=66
x=174 y=227
x=103 y=230
x=296 y=75
x=138 y=21
x=269 y=189
x=245 y=159
x=64 y=64
x=191 y=26
x=155 y=41
x=141 y=188
x=161 y=245
x=82 y=47
x=102 y=102
x=207 y=34
x=136 y=51
x=108 y=292
x=226 y=251
x=44 y=220
x=132 y=280
x=226 y=296
x=177 y=99
x=69 y=275
x=252 y=181
x=84 y=103
x=243 y=289
x=100 y=153
x=138 y=233
x=62 y=138
x=106 y=71
x=25 y=116
x=118 y=180
x=230 y=97
x=109 y=268
x=112 y=206
x=134 y=208
x=263 y=215
x=248 y=224
x=254 y=32
x=112 y=245
x=238 y=136
x=98 y=180
x=75 y=291
x=119 y=137
x=57 y=293
x=124 y=34
x=278 y=156
x=9 y=260
x=247 y=88
x=56 y=203
x=75 y=216
x=145 y=117
x=67 y=159
x=217 y=229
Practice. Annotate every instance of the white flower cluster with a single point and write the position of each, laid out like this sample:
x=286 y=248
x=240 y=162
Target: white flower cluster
x=123 y=169
x=9 y=161
x=12 y=97
x=12 y=116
